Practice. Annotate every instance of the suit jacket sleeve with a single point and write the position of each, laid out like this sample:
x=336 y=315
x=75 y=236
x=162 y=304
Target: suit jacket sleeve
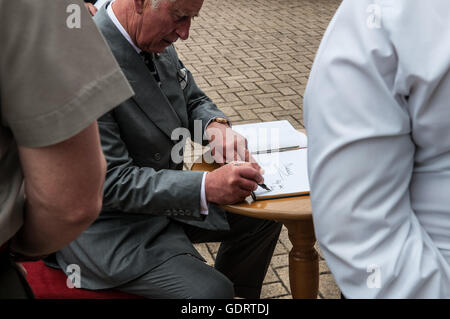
x=134 y=189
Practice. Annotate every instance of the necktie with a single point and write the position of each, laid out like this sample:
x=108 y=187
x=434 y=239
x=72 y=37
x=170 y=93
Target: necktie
x=148 y=60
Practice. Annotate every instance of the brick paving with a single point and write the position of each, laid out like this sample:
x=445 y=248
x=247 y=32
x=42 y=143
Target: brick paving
x=253 y=58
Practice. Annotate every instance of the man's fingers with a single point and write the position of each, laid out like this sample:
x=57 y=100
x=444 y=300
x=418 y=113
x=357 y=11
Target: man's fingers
x=92 y=9
x=249 y=164
x=243 y=194
x=231 y=153
x=249 y=172
x=253 y=161
x=240 y=147
x=246 y=156
x=248 y=185
x=217 y=156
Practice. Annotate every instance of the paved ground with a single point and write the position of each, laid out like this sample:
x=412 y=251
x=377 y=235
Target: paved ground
x=253 y=58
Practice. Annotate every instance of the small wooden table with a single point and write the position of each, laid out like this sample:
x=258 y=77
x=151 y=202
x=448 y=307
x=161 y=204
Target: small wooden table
x=296 y=214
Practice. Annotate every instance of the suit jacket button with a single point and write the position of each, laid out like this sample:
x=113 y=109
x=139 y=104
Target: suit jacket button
x=157 y=156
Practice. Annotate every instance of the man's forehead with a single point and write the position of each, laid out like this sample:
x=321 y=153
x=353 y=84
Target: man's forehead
x=186 y=7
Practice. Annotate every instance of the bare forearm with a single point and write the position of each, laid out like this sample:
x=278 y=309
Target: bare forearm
x=63 y=187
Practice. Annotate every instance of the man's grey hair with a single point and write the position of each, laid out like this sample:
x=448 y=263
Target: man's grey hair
x=156 y=3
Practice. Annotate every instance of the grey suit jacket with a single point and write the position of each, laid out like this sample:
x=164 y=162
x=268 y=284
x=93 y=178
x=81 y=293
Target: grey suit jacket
x=146 y=194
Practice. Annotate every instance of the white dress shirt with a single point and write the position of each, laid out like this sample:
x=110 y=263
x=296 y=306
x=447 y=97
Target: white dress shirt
x=100 y=3
x=377 y=113
x=112 y=16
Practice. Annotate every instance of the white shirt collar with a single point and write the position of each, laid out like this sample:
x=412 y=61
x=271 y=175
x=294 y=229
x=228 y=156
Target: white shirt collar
x=116 y=22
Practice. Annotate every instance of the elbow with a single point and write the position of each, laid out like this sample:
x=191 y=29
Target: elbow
x=84 y=213
x=88 y=204
x=80 y=203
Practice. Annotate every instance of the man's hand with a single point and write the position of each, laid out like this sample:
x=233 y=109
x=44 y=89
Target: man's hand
x=232 y=183
x=92 y=9
x=227 y=145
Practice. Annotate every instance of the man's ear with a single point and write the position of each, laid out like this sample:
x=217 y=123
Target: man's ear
x=139 y=6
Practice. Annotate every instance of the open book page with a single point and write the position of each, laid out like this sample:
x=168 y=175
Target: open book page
x=285 y=173
x=271 y=136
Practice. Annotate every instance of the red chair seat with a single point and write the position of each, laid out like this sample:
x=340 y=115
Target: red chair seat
x=50 y=283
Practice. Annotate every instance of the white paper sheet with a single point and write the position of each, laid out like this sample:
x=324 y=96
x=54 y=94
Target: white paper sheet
x=271 y=136
x=284 y=173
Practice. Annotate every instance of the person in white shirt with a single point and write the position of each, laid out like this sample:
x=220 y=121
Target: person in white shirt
x=377 y=113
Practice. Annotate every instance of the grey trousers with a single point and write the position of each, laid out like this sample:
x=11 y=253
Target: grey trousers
x=240 y=267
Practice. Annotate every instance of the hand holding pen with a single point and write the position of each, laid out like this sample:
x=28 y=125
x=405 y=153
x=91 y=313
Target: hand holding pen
x=233 y=182
x=239 y=163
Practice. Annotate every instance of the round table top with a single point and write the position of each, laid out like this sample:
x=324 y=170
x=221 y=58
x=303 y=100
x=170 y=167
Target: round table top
x=290 y=208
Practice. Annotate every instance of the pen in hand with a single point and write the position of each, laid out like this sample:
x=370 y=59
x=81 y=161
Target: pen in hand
x=262 y=185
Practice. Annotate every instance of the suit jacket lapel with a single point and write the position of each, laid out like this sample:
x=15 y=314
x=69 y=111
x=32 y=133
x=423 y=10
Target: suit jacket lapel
x=167 y=71
x=148 y=95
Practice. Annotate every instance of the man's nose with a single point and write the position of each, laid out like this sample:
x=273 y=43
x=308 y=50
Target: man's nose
x=183 y=29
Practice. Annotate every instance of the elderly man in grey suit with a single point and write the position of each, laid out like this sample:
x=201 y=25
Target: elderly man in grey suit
x=153 y=211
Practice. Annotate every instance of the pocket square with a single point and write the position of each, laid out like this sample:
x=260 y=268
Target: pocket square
x=182 y=78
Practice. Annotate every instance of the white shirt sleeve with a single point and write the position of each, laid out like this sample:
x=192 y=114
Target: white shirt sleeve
x=361 y=160
x=100 y=3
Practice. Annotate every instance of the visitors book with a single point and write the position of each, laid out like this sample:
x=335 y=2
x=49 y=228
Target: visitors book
x=281 y=151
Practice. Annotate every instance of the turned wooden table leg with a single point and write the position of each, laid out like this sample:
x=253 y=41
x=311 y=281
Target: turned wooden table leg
x=303 y=259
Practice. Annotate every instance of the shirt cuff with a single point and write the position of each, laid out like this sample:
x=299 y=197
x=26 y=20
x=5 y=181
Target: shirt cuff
x=203 y=202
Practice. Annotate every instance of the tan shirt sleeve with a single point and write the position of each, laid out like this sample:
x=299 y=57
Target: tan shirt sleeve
x=55 y=80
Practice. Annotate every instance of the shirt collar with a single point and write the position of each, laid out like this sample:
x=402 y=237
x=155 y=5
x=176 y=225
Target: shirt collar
x=119 y=26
